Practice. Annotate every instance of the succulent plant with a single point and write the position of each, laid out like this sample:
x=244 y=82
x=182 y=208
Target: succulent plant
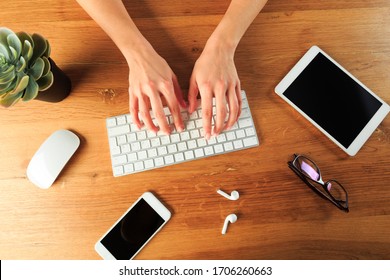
x=24 y=66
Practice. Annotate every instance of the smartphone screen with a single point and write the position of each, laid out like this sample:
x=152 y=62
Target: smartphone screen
x=132 y=231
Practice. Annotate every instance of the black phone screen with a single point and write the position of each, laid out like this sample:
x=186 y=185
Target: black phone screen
x=333 y=100
x=132 y=231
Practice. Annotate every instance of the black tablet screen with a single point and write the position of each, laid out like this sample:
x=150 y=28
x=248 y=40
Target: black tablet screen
x=333 y=99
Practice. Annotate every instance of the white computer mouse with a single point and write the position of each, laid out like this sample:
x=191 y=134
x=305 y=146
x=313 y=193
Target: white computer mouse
x=51 y=157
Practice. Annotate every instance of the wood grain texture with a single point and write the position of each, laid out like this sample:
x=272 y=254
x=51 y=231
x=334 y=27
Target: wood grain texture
x=278 y=217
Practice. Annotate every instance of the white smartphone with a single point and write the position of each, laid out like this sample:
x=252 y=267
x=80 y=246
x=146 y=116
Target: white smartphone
x=333 y=100
x=134 y=229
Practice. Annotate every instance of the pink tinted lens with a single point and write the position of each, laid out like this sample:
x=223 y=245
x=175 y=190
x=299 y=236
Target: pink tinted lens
x=310 y=171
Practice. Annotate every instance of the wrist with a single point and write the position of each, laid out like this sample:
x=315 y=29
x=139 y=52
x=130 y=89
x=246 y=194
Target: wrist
x=136 y=48
x=221 y=44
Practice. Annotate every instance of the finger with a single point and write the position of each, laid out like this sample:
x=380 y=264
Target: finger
x=159 y=114
x=233 y=108
x=239 y=99
x=173 y=105
x=145 y=114
x=207 y=112
x=192 y=96
x=179 y=93
x=220 y=105
x=133 y=105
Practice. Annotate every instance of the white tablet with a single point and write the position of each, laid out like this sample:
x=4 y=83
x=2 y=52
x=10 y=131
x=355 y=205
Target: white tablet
x=333 y=100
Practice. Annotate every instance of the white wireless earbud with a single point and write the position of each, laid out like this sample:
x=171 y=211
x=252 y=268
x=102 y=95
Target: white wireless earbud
x=233 y=196
x=232 y=218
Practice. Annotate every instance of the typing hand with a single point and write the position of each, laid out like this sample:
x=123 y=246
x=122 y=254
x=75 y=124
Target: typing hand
x=215 y=74
x=150 y=78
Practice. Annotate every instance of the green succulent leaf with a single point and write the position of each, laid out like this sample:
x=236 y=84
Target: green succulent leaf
x=21 y=65
x=47 y=66
x=23 y=36
x=27 y=50
x=8 y=101
x=46 y=81
x=48 y=49
x=36 y=70
x=4 y=52
x=4 y=32
x=31 y=90
x=5 y=88
x=14 y=55
x=8 y=75
x=15 y=46
x=40 y=47
x=21 y=84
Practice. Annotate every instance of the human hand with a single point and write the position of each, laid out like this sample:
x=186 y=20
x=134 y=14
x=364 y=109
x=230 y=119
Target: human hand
x=150 y=78
x=215 y=74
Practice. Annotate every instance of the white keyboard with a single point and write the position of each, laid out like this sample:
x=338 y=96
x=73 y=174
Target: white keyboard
x=134 y=150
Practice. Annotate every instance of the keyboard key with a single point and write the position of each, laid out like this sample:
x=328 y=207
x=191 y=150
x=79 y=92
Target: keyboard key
x=162 y=150
x=179 y=157
x=159 y=161
x=201 y=142
x=135 y=146
x=129 y=168
x=156 y=142
x=115 y=150
x=218 y=149
x=145 y=144
x=132 y=157
x=191 y=144
x=240 y=133
x=230 y=135
x=199 y=153
x=242 y=123
x=117 y=160
x=195 y=134
x=111 y=122
x=138 y=166
x=121 y=120
x=238 y=144
x=208 y=150
x=152 y=153
x=169 y=159
x=149 y=163
x=118 y=170
x=125 y=149
x=250 y=131
x=228 y=146
x=189 y=155
x=131 y=137
x=248 y=142
x=172 y=148
x=182 y=146
x=118 y=130
x=142 y=155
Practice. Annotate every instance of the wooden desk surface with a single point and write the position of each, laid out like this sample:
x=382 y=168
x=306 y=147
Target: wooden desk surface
x=279 y=217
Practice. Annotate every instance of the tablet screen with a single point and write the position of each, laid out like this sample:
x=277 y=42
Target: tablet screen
x=333 y=99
